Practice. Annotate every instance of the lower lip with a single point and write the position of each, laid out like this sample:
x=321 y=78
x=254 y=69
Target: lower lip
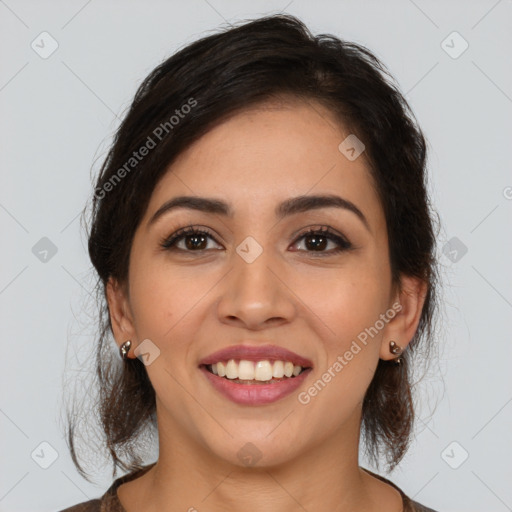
x=255 y=394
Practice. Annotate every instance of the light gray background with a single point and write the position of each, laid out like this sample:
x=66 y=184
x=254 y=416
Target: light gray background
x=57 y=116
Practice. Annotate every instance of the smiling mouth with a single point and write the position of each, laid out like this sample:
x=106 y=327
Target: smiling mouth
x=255 y=372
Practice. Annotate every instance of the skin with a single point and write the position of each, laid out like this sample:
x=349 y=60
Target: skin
x=190 y=304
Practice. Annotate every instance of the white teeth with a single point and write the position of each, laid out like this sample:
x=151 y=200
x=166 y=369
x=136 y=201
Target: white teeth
x=232 y=369
x=261 y=370
x=221 y=369
x=246 y=370
x=278 y=370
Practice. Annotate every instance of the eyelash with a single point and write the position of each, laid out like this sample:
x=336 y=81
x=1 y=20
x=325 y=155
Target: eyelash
x=169 y=243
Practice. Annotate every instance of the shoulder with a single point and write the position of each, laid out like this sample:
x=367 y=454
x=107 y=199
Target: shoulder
x=86 y=506
x=109 y=502
x=414 y=506
x=409 y=504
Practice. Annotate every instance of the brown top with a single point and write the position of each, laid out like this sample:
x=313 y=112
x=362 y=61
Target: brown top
x=109 y=502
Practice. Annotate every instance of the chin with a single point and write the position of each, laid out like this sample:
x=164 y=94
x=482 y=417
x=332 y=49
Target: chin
x=258 y=451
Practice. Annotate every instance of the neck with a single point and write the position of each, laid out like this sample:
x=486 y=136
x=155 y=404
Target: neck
x=326 y=476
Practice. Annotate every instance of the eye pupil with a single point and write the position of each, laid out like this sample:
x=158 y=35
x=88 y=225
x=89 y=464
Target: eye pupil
x=316 y=242
x=194 y=241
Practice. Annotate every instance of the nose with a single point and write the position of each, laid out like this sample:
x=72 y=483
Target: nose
x=254 y=295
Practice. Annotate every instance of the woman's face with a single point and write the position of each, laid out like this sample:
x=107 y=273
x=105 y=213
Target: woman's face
x=256 y=279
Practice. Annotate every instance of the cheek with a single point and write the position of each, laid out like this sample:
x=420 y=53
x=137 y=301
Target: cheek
x=351 y=305
x=351 y=355
x=348 y=299
x=168 y=303
x=158 y=300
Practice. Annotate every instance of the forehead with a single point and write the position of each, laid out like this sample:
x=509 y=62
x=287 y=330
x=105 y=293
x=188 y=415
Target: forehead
x=267 y=153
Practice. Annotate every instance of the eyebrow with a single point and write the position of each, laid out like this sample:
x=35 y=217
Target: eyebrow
x=288 y=207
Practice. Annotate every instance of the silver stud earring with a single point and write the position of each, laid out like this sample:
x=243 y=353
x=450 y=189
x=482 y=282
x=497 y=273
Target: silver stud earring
x=397 y=350
x=124 y=349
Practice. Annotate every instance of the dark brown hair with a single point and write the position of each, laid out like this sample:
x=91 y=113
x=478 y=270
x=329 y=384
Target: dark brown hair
x=216 y=77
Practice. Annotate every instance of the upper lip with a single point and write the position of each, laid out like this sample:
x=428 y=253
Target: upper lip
x=256 y=353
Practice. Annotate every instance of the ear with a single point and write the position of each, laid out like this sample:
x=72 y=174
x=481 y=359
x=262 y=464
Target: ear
x=408 y=302
x=121 y=319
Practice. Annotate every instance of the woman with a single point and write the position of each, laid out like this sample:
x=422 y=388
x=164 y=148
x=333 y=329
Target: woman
x=263 y=240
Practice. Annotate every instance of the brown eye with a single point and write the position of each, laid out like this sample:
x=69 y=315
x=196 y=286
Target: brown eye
x=193 y=242
x=188 y=240
x=318 y=240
